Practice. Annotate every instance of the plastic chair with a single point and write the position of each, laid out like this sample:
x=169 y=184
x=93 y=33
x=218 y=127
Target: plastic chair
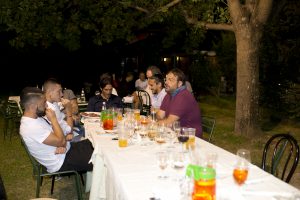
x=12 y=113
x=281 y=156
x=39 y=171
x=208 y=126
x=3 y=195
x=144 y=102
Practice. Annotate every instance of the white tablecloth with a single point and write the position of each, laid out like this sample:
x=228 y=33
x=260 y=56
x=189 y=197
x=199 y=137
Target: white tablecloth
x=130 y=173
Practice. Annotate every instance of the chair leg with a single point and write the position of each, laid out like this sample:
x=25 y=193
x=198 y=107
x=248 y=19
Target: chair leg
x=78 y=187
x=38 y=184
x=52 y=184
x=82 y=180
x=5 y=128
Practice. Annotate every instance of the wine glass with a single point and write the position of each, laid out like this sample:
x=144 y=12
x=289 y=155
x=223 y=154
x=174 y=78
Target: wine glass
x=179 y=162
x=170 y=135
x=183 y=137
x=176 y=127
x=241 y=167
x=162 y=161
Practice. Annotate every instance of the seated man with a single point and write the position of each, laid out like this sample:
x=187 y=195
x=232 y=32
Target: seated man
x=46 y=140
x=179 y=104
x=156 y=83
x=141 y=83
x=53 y=93
x=78 y=130
x=96 y=102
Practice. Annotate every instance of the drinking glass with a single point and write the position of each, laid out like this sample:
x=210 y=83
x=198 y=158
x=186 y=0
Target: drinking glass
x=170 y=135
x=119 y=114
x=183 y=137
x=176 y=127
x=241 y=167
x=152 y=131
x=190 y=144
x=179 y=162
x=137 y=114
x=211 y=159
x=160 y=136
x=162 y=161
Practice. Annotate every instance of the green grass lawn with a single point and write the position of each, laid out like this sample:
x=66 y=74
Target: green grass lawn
x=16 y=169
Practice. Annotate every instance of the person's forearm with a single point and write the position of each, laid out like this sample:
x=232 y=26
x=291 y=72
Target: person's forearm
x=70 y=121
x=58 y=133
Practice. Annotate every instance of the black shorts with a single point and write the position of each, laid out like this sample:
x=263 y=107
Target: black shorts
x=78 y=157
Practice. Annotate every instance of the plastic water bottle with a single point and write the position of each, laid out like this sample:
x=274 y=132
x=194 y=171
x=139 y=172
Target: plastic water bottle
x=103 y=106
x=82 y=96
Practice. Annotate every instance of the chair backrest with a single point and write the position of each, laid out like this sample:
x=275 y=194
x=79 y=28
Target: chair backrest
x=144 y=102
x=281 y=156
x=14 y=109
x=208 y=125
x=35 y=164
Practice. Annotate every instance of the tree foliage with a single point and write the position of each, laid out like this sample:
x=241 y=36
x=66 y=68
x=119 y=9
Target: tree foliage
x=279 y=67
x=66 y=22
x=69 y=22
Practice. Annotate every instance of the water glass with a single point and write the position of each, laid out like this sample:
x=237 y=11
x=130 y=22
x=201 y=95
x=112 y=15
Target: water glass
x=190 y=144
x=162 y=162
x=122 y=137
x=241 y=167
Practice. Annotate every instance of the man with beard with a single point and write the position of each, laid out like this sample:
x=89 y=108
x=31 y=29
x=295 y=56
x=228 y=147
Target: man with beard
x=179 y=104
x=156 y=84
x=45 y=138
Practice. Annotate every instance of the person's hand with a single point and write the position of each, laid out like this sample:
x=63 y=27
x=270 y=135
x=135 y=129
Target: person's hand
x=69 y=137
x=50 y=114
x=60 y=150
x=66 y=102
x=67 y=105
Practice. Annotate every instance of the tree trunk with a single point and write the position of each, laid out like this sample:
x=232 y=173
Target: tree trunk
x=247 y=99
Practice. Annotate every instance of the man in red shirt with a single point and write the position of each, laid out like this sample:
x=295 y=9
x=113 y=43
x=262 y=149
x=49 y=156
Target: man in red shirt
x=179 y=104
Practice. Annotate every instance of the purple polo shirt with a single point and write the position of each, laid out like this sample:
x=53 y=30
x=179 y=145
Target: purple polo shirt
x=186 y=108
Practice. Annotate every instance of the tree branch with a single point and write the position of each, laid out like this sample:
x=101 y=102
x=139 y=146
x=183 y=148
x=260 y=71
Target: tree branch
x=235 y=10
x=160 y=9
x=135 y=7
x=205 y=25
x=171 y=4
x=225 y=27
x=263 y=10
x=165 y=7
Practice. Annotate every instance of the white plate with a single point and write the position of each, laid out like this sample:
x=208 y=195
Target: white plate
x=111 y=131
x=91 y=117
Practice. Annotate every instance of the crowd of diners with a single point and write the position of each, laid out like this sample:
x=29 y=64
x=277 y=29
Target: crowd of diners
x=50 y=125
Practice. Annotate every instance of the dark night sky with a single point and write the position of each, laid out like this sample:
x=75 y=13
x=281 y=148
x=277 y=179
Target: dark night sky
x=72 y=69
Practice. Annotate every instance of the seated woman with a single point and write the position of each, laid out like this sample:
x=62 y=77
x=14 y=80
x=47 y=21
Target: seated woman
x=96 y=102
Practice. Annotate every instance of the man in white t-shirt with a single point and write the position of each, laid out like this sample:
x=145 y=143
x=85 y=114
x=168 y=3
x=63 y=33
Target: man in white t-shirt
x=156 y=83
x=45 y=139
x=53 y=93
x=150 y=72
x=141 y=83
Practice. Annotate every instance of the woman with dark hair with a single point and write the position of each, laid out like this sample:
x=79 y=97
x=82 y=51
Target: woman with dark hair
x=96 y=102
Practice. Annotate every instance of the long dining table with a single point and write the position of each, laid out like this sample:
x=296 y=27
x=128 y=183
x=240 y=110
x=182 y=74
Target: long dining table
x=131 y=173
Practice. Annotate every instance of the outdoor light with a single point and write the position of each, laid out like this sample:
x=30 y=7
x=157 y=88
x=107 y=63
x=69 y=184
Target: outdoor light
x=165 y=59
x=177 y=58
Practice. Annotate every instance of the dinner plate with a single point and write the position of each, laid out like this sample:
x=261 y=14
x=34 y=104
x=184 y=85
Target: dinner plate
x=91 y=115
x=111 y=131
